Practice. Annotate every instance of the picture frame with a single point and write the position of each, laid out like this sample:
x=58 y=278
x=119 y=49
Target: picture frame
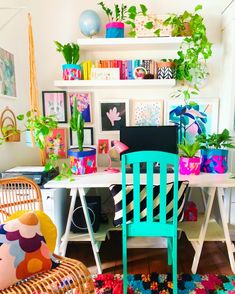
x=55 y=103
x=83 y=104
x=103 y=146
x=88 y=137
x=7 y=74
x=113 y=114
x=201 y=118
x=56 y=143
x=147 y=112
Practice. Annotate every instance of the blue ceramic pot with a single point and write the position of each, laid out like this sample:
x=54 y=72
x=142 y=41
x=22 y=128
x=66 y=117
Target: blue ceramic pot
x=115 y=30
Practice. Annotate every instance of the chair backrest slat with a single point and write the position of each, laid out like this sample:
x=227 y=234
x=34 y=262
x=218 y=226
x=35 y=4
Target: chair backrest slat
x=17 y=194
x=149 y=200
x=163 y=182
x=136 y=194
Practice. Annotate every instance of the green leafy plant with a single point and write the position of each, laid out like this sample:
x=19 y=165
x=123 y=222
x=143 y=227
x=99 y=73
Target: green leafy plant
x=189 y=150
x=77 y=124
x=133 y=12
x=40 y=126
x=8 y=131
x=70 y=51
x=119 y=13
x=216 y=141
x=194 y=50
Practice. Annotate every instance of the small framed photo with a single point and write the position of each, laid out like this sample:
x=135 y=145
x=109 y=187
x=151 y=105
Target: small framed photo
x=103 y=146
x=83 y=104
x=88 y=137
x=54 y=103
x=147 y=112
x=56 y=143
x=113 y=115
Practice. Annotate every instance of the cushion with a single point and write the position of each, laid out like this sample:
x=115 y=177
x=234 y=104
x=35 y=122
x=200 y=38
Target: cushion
x=116 y=191
x=23 y=250
x=47 y=227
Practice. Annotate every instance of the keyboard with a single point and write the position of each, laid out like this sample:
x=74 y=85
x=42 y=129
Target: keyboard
x=156 y=170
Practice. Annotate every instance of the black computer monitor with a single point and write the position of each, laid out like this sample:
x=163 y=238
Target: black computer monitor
x=160 y=138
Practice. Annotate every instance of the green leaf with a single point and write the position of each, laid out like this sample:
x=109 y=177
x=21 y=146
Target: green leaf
x=143 y=9
x=20 y=117
x=149 y=25
x=198 y=7
x=157 y=32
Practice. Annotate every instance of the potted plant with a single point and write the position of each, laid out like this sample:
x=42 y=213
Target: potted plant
x=214 y=151
x=71 y=54
x=195 y=48
x=115 y=26
x=82 y=159
x=189 y=162
x=166 y=69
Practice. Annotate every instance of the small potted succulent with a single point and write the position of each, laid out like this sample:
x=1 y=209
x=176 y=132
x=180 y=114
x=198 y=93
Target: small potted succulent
x=189 y=162
x=82 y=159
x=71 y=54
x=115 y=26
x=214 y=151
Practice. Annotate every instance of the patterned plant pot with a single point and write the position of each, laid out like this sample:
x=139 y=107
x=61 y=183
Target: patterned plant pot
x=189 y=166
x=214 y=161
x=165 y=70
x=72 y=72
x=83 y=162
x=115 y=30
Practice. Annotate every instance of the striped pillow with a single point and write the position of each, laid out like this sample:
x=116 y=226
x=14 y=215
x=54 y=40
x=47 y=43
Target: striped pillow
x=116 y=191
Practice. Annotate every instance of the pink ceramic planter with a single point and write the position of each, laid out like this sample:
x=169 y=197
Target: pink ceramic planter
x=189 y=166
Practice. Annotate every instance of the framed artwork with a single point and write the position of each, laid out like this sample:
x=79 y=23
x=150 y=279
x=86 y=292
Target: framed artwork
x=54 y=103
x=57 y=143
x=113 y=115
x=192 y=120
x=88 y=137
x=83 y=104
x=7 y=74
x=147 y=113
x=103 y=146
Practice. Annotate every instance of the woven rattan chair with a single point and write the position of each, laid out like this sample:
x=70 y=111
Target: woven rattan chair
x=23 y=194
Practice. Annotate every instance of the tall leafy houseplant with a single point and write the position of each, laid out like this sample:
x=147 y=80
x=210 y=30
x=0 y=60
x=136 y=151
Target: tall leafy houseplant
x=214 y=151
x=82 y=159
x=71 y=54
x=77 y=124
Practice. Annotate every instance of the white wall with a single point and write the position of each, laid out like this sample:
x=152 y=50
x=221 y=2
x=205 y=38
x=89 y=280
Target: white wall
x=58 y=20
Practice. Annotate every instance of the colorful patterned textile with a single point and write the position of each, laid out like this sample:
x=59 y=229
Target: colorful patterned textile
x=23 y=250
x=162 y=284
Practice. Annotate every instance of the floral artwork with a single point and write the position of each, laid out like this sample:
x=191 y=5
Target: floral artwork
x=54 y=103
x=83 y=104
x=56 y=143
x=114 y=115
x=103 y=146
x=195 y=118
x=147 y=113
x=7 y=74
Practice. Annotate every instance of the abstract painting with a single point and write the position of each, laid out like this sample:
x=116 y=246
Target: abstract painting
x=83 y=104
x=113 y=115
x=199 y=116
x=103 y=146
x=147 y=113
x=56 y=143
x=7 y=74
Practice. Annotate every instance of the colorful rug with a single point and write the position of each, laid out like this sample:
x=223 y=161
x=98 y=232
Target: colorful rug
x=162 y=284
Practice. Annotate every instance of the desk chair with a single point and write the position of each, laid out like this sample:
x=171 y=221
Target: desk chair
x=150 y=225
x=23 y=194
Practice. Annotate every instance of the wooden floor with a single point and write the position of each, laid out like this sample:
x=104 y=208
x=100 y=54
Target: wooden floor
x=214 y=258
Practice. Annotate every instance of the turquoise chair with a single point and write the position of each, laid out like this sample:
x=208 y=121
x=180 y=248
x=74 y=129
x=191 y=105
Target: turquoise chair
x=149 y=227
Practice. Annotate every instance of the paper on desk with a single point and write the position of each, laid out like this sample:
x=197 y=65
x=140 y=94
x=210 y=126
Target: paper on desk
x=27 y=169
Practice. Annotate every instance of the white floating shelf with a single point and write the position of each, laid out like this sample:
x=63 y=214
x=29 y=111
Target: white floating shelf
x=114 y=83
x=119 y=44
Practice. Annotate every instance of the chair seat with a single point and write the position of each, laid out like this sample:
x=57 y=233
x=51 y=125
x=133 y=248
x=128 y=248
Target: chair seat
x=70 y=274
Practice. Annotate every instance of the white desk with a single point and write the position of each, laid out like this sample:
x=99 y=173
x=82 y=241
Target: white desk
x=211 y=183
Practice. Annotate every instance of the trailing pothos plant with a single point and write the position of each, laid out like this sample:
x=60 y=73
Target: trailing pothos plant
x=119 y=13
x=195 y=49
